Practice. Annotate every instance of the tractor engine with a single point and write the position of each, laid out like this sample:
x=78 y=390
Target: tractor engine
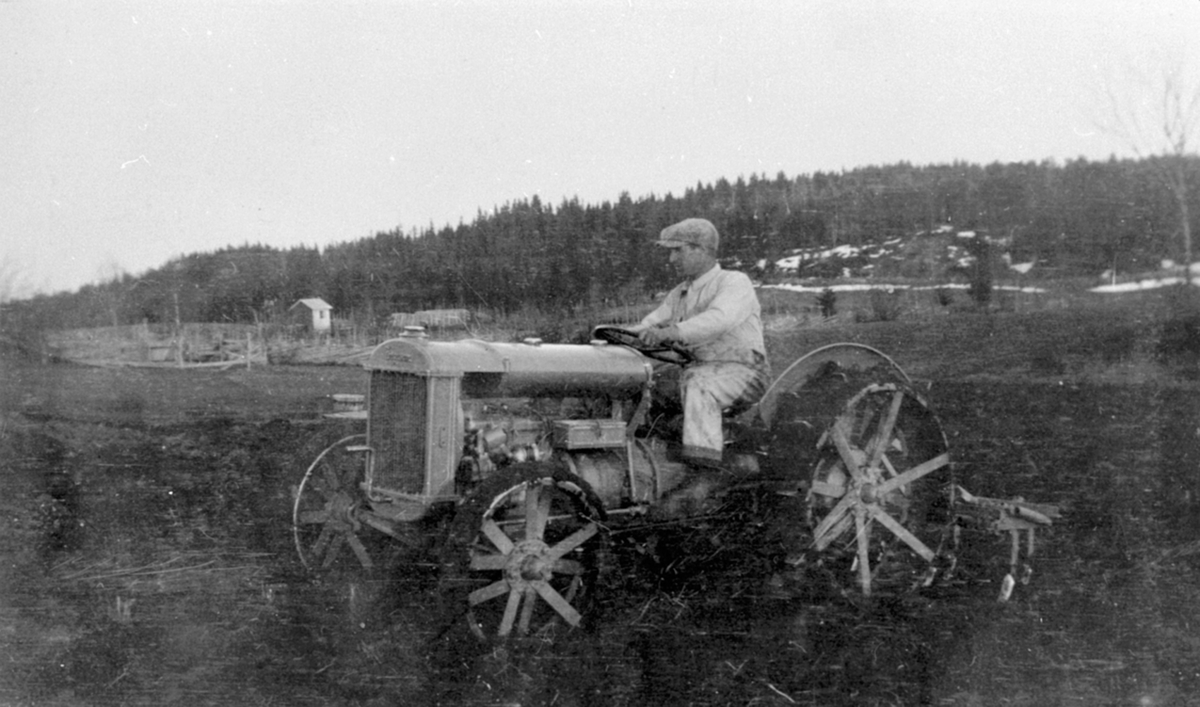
x=443 y=415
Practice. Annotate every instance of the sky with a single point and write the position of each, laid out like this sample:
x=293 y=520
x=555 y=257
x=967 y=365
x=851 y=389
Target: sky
x=135 y=132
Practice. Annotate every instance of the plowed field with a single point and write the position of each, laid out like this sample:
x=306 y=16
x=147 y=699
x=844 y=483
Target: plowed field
x=147 y=555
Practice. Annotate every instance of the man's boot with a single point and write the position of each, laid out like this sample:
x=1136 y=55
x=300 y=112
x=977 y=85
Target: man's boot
x=695 y=495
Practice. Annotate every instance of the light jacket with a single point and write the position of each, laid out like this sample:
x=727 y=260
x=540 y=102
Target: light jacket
x=718 y=317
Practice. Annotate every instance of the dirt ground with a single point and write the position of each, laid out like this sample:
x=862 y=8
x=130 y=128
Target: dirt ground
x=147 y=558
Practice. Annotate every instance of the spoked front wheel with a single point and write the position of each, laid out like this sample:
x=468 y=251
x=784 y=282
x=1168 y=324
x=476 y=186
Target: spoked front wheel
x=325 y=513
x=523 y=552
x=880 y=490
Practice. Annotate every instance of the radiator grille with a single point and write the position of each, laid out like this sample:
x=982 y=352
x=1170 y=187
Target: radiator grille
x=397 y=431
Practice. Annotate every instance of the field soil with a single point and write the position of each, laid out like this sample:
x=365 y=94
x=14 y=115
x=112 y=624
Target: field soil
x=147 y=551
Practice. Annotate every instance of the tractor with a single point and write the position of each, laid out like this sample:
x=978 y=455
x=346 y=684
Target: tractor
x=535 y=452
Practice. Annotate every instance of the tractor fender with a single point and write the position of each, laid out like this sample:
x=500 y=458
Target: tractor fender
x=846 y=355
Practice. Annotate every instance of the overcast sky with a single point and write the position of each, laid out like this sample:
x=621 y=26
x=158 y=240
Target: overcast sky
x=132 y=132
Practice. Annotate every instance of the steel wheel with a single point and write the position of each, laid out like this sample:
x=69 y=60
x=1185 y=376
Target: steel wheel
x=524 y=552
x=325 y=524
x=879 y=494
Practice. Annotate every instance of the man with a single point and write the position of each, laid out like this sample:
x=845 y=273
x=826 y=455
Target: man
x=715 y=315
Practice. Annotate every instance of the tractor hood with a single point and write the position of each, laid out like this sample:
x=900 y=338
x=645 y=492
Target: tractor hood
x=530 y=368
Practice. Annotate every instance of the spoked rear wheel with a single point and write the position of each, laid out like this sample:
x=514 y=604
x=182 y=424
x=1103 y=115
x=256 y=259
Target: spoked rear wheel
x=880 y=491
x=523 y=553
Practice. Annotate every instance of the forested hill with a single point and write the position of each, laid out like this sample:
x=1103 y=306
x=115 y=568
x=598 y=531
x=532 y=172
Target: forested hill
x=1081 y=217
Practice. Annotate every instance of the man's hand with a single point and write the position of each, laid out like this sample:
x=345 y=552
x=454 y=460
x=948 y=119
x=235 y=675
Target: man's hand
x=656 y=336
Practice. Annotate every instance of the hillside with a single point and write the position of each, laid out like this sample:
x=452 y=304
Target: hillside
x=942 y=254
x=1032 y=224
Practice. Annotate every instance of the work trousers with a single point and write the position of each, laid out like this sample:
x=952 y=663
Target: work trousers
x=706 y=390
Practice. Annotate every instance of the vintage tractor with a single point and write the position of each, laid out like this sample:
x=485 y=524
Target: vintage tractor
x=537 y=451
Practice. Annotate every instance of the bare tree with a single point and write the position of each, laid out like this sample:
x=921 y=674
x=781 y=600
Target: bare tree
x=12 y=282
x=15 y=328
x=1160 y=120
x=109 y=287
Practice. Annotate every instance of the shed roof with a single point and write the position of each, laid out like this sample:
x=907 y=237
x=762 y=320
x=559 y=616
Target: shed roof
x=314 y=303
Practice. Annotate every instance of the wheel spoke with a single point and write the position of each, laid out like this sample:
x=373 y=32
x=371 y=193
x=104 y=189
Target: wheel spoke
x=838 y=530
x=901 y=532
x=825 y=488
x=527 y=611
x=842 y=441
x=491 y=591
x=862 y=420
x=567 y=567
x=359 y=550
x=883 y=434
x=572 y=541
x=832 y=518
x=312 y=517
x=493 y=532
x=557 y=602
x=863 y=536
x=510 y=613
x=488 y=562
x=335 y=548
x=913 y=474
x=892 y=473
x=329 y=475
x=537 y=511
x=573 y=589
x=322 y=543
x=887 y=466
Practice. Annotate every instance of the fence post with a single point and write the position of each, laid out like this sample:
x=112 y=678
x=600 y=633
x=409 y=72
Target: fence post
x=262 y=336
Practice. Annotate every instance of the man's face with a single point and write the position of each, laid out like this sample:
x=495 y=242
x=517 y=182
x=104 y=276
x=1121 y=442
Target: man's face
x=690 y=261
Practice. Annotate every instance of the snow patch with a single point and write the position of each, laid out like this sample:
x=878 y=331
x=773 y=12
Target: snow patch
x=863 y=287
x=1140 y=285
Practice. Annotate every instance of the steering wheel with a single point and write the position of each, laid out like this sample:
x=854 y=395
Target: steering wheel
x=666 y=352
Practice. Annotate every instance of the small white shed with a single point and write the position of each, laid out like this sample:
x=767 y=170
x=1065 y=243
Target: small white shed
x=321 y=312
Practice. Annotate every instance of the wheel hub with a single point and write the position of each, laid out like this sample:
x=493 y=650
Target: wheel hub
x=528 y=563
x=341 y=510
x=864 y=478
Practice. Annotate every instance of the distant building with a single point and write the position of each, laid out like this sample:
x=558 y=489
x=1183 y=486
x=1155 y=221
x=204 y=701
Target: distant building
x=319 y=314
x=432 y=319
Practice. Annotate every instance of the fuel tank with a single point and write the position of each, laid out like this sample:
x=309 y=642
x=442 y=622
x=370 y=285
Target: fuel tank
x=527 y=369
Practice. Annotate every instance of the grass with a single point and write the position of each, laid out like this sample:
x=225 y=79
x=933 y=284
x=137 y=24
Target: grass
x=1136 y=337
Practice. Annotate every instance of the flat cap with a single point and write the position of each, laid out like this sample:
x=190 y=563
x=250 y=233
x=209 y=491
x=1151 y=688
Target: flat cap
x=693 y=231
